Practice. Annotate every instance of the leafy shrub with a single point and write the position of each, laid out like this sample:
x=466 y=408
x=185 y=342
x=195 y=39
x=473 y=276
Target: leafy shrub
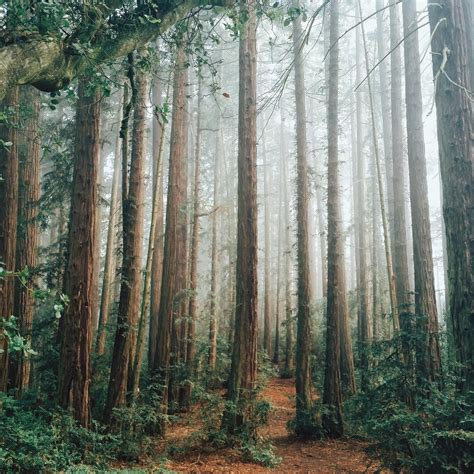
x=38 y=439
x=434 y=432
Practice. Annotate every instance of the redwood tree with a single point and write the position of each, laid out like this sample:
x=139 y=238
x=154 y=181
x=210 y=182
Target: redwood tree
x=451 y=73
x=243 y=373
x=76 y=328
x=27 y=232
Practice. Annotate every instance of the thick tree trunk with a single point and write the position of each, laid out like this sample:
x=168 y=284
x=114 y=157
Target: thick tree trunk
x=455 y=131
x=131 y=278
x=27 y=232
x=304 y=421
x=243 y=373
x=8 y=217
x=174 y=244
x=76 y=334
x=428 y=357
x=336 y=301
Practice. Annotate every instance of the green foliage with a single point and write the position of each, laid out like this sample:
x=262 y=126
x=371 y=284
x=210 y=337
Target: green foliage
x=436 y=436
x=39 y=438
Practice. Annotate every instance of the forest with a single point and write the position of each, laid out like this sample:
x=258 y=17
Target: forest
x=237 y=236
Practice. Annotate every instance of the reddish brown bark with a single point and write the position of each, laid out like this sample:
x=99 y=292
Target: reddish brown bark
x=27 y=232
x=8 y=217
x=336 y=301
x=131 y=278
x=174 y=244
x=243 y=374
x=451 y=71
x=76 y=330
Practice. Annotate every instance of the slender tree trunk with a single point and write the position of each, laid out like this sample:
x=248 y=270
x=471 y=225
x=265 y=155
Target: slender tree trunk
x=276 y=347
x=131 y=278
x=304 y=421
x=76 y=335
x=336 y=301
x=399 y=240
x=243 y=373
x=27 y=232
x=174 y=245
x=110 y=257
x=289 y=362
x=134 y=379
x=8 y=217
x=190 y=343
x=428 y=357
x=267 y=324
x=455 y=131
x=383 y=212
x=158 y=238
x=363 y=312
x=214 y=264
x=386 y=112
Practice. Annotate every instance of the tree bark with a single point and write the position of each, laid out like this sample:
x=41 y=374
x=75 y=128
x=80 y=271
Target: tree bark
x=451 y=73
x=363 y=312
x=174 y=244
x=428 y=356
x=157 y=265
x=243 y=373
x=399 y=240
x=267 y=325
x=336 y=301
x=76 y=334
x=109 y=265
x=212 y=357
x=131 y=278
x=304 y=421
x=27 y=230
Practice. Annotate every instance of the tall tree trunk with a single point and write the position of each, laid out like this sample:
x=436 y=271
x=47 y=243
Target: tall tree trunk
x=131 y=278
x=243 y=373
x=158 y=238
x=267 y=324
x=455 y=131
x=195 y=228
x=386 y=112
x=8 y=217
x=134 y=378
x=76 y=334
x=289 y=362
x=363 y=312
x=383 y=211
x=304 y=421
x=27 y=233
x=110 y=257
x=336 y=301
x=428 y=357
x=212 y=357
x=399 y=240
x=174 y=245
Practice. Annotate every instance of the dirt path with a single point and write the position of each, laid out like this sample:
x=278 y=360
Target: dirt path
x=340 y=456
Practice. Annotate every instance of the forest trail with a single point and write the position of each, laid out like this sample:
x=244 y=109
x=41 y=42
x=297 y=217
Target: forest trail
x=329 y=456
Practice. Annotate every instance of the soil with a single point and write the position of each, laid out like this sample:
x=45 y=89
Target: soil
x=326 y=456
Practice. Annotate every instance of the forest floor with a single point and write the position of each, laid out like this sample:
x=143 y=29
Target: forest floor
x=327 y=456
